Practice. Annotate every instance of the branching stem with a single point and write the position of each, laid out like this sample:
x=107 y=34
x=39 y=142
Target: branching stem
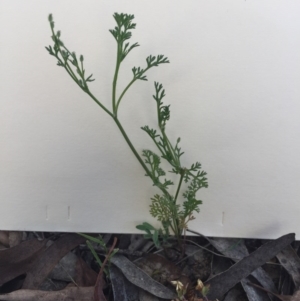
x=126 y=89
x=148 y=172
x=166 y=208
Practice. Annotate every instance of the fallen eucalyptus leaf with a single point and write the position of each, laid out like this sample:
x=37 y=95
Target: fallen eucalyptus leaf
x=236 y=249
x=84 y=275
x=17 y=260
x=42 y=267
x=291 y=262
x=65 y=269
x=145 y=296
x=139 y=278
x=233 y=295
x=118 y=285
x=253 y=294
x=222 y=283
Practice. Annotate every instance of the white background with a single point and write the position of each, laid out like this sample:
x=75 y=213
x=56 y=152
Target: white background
x=233 y=86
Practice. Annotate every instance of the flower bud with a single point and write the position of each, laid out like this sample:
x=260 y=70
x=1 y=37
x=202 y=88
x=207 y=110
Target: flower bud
x=199 y=285
x=203 y=289
x=180 y=288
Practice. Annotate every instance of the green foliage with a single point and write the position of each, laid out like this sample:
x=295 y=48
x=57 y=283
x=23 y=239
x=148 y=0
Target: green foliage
x=153 y=161
x=98 y=241
x=158 y=236
x=165 y=207
x=122 y=33
x=162 y=208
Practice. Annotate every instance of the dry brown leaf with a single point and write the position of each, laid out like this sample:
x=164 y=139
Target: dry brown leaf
x=21 y=252
x=67 y=294
x=17 y=260
x=84 y=275
x=41 y=268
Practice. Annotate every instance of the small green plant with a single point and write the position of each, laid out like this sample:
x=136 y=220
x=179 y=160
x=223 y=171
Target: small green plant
x=165 y=206
x=99 y=241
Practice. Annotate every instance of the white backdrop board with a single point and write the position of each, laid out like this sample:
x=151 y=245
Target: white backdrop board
x=233 y=86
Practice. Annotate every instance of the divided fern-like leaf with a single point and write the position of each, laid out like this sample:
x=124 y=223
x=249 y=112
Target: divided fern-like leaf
x=153 y=161
x=162 y=208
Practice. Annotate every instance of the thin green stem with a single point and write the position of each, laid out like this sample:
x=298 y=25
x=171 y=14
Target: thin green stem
x=177 y=160
x=115 y=112
x=71 y=73
x=65 y=64
x=123 y=93
x=165 y=138
x=148 y=172
x=179 y=185
x=86 y=90
x=128 y=86
x=177 y=230
x=68 y=71
x=132 y=147
x=99 y=103
x=158 y=146
x=81 y=63
x=74 y=77
x=114 y=88
x=172 y=228
x=170 y=148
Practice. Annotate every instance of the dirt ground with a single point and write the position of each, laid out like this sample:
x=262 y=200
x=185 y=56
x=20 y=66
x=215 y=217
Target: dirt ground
x=64 y=266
